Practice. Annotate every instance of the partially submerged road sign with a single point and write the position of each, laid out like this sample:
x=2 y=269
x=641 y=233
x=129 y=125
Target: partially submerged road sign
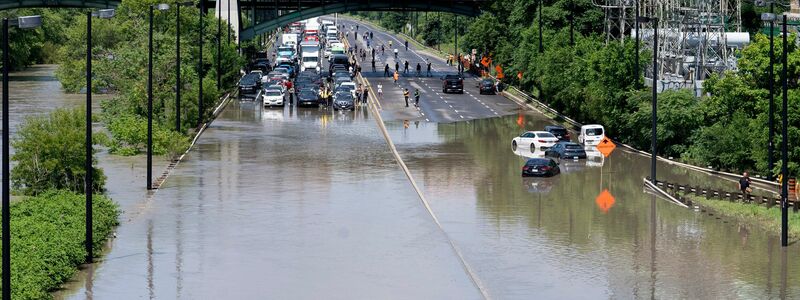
x=606 y=146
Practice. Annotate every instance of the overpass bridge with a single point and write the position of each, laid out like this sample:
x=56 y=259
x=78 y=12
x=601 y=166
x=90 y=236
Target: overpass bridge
x=249 y=18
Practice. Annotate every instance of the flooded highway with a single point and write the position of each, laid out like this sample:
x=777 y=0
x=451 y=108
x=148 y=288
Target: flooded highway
x=305 y=203
x=555 y=238
x=283 y=204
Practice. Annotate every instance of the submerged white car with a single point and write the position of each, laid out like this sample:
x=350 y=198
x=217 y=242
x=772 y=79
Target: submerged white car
x=272 y=97
x=535 y=140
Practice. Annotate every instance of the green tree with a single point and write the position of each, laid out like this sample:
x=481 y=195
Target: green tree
x=50 y=154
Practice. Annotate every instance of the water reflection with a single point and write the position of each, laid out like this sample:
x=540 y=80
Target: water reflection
x=552 y=239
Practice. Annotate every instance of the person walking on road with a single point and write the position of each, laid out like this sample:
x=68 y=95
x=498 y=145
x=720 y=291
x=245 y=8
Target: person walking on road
x=380 y=91
x=386 y=71
x=419 y=69
x=744 y=184
x=396 y=76
x=382 y=49
x=397 y=66
x=395 y=53
x=373 y=64
x=405 y=67
x=366 y=96
x=291 y=95
x=405 y=94
x=406 y=45
x=416 y=97
x=429 y=68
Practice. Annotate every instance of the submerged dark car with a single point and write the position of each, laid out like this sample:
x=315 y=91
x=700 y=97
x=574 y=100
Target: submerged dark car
x=559 y=131
x=566 y=150
x=486 y=86
x=540 y=167
x=307 y=97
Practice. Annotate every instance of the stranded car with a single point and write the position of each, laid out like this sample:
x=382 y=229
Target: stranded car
x=567 y=150
x=540 y=167
x=536 y=140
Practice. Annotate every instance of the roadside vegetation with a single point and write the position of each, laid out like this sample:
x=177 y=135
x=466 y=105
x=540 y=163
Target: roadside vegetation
x=767 y=218
x=47 y=220
x=120 y=67
x=592 y=81
x=47 y=215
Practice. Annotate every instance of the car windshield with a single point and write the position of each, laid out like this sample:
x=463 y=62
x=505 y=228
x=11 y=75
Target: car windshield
x=573 y=146
x=308 y=94
x=545 y=135
x=487 y=81
x=557 y=130
x=343 y=96
x=594 y=131
x=310 y=58
x=272 y=93
x=452 y=77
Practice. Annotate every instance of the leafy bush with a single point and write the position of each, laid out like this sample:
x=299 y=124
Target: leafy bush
x=47 y=239
x=50 y=153
x=129 y=137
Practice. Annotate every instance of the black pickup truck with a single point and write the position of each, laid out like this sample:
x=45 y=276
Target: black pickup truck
x=453 y=83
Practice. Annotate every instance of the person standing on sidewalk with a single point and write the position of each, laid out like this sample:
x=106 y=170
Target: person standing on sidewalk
x=416 y=97
x=405 y=94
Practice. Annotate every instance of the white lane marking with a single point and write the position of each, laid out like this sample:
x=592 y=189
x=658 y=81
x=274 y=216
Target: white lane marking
x=426 y=120
x=461 y=116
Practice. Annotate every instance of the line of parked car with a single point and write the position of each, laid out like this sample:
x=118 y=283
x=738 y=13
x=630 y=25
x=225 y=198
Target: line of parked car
x=554 y=143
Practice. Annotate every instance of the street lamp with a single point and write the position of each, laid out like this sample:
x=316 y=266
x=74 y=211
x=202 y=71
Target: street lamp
x=200 y=65
x=785 y=145
x=178 y=63
x=655 y=95
x=541 y=45
x=161 y=7
x=770 y=17
x=89 y=176
x=26 y=22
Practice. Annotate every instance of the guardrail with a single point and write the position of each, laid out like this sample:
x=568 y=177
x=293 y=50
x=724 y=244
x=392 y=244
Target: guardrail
x=673 y=189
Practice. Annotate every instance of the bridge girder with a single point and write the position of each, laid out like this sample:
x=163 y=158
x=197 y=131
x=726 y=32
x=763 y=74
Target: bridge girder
x=309 y=9
x=58 y=3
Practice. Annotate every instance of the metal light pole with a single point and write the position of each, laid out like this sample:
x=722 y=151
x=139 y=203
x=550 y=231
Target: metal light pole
x=541 y=45
x=219 y=52
x=161 y=7
x=23 y=23
x=228 y=20
x=200 y=61
x=636 y=52
x=653 y=142
x=784 y=146
x=89 y=176
x=771 y=122
x=178 y=63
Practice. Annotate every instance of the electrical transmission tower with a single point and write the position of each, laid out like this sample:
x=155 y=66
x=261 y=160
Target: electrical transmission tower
x=696 y=37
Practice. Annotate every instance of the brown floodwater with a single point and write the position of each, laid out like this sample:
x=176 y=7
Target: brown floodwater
x=555 y=238
x=282 y=204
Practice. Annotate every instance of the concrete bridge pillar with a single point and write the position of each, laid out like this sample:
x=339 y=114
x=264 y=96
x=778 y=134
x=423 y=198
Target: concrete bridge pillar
x=228 y=10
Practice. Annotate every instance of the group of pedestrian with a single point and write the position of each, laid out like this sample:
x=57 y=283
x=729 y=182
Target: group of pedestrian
x=416 y=96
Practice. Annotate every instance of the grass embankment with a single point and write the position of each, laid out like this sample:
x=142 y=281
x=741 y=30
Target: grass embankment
x=47 y=236
x=759 y=215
